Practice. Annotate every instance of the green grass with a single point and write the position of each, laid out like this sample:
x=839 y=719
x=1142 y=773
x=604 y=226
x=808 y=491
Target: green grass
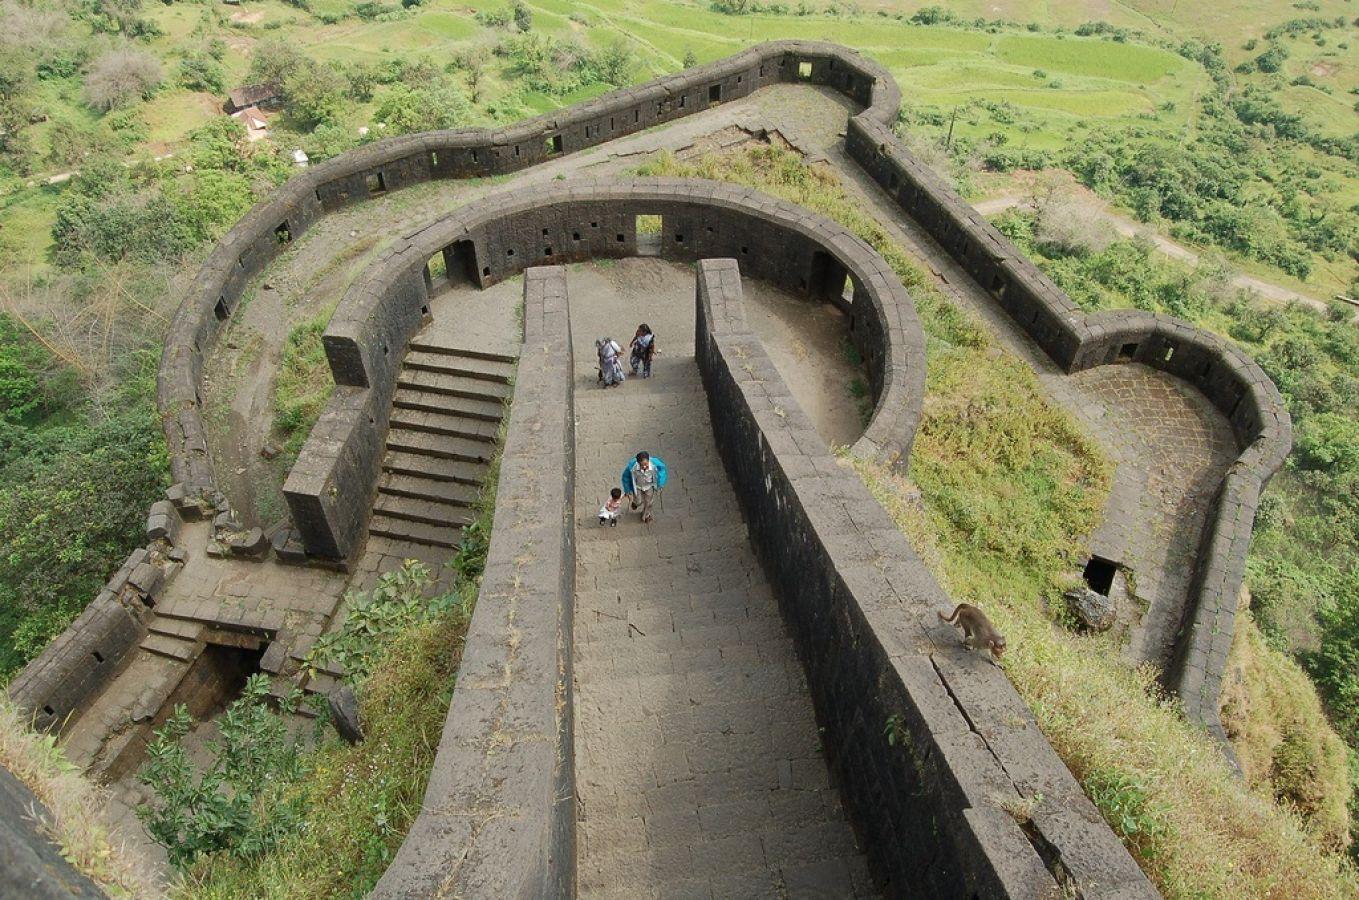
x=303 y=385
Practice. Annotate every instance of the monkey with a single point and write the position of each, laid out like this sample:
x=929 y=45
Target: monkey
x=977 y=629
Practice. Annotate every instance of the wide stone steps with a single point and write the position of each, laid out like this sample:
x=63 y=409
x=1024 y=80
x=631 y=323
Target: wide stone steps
x=416 y=488
x=446 y=416
x=447 y=385
x=416 y=532
x=433 y=468
x=492 y=371
x=425 y=347
x=440 y=446
x=420 y=411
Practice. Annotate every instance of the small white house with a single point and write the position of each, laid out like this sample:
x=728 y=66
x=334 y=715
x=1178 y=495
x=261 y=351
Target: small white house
x=256 y=123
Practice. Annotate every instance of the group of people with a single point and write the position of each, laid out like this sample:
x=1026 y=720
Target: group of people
x=643 y=479
x=641 y=351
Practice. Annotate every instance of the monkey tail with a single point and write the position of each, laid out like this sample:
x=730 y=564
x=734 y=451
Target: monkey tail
x=954 y=616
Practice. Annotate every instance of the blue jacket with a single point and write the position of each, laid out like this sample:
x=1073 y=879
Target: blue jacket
x=632 y=464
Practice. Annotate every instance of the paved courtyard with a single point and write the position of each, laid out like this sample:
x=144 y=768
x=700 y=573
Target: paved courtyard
x=699 y=769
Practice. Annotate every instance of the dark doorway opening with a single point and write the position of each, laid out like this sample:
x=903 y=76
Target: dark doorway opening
x=827 y=278
x=282 y=232
x=1127 y=351
x=376 y=184
x=1099 y=574
x=715 y=94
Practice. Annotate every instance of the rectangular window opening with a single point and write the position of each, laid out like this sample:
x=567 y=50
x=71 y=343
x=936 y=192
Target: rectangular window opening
x=220 y=310
x=715 y=93
x=376 y=184
x=98 y=657
x=554 y=143
x=681 y=103
x=49 y=710
x=649 y=228
x=433 y=159
x=998 y=285
x=485 y=271
x=1127 y=351
x=1168 y=353
x=575 y=235
x=804 y=70
x=847 y=292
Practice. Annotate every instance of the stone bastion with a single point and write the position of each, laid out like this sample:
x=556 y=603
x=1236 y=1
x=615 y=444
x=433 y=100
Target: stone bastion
x=330 y=489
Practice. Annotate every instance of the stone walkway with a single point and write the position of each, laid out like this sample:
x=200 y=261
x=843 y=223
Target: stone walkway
x=698 y=762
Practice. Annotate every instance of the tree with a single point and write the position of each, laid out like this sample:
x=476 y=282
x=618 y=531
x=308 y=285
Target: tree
x=523 y=16
x=274 y=61
x=439 y=104
x=121 y=76
x=198 y=71
x=690 y=59
x=314 y=94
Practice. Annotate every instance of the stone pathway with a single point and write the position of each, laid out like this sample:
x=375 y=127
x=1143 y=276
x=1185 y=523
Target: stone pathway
x=698 y=762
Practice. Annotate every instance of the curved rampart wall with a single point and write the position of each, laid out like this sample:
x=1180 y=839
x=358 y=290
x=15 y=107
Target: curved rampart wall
x=398 y=162
x=933 y=801
x=498 y=817
x=1233 y=382
x=329 y=490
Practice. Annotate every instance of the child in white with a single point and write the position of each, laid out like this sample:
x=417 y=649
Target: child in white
x=608 y=513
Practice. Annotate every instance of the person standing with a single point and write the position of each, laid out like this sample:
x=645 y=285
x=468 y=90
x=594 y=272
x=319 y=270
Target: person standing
x=610 y=365
x=643 y=349
x=643 y=479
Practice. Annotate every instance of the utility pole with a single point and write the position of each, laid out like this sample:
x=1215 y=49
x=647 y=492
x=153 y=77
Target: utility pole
x=948 y=142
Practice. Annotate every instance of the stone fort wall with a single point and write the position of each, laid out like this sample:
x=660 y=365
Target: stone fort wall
x=331 y=487
x=499 y=814
x=931 y=802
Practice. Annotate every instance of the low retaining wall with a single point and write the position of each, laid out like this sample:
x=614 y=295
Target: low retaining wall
x=330 y=489
x=498 y=818
x=968 y=800
x=81 y=661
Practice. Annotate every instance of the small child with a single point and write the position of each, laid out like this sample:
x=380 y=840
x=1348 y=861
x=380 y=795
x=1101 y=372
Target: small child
x=608 y=513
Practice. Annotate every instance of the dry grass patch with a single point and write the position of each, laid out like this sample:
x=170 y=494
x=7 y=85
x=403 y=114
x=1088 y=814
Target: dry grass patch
x=77 y=809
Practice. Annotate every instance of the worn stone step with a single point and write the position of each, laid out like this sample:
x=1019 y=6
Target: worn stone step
x=171 y=647
x=434 y=468
x=440 y=446
x=495 y=372
x=450 y=492
x=415 y=532
x=441 y=415
x=423 y=346
x=453 y=385
x=431 y=512
x=178 y=628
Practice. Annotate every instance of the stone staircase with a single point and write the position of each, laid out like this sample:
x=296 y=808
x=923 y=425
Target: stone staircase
x=445 y=418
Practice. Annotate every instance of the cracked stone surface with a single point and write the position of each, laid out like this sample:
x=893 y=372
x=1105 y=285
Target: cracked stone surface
x=698 y=760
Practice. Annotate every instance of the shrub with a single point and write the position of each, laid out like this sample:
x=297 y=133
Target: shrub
x=121 y=76
x=199 y=71
x=241 y=804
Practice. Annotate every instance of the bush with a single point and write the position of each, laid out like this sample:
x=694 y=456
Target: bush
x=199 y=71
x=121 y=76
x=241 y=805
